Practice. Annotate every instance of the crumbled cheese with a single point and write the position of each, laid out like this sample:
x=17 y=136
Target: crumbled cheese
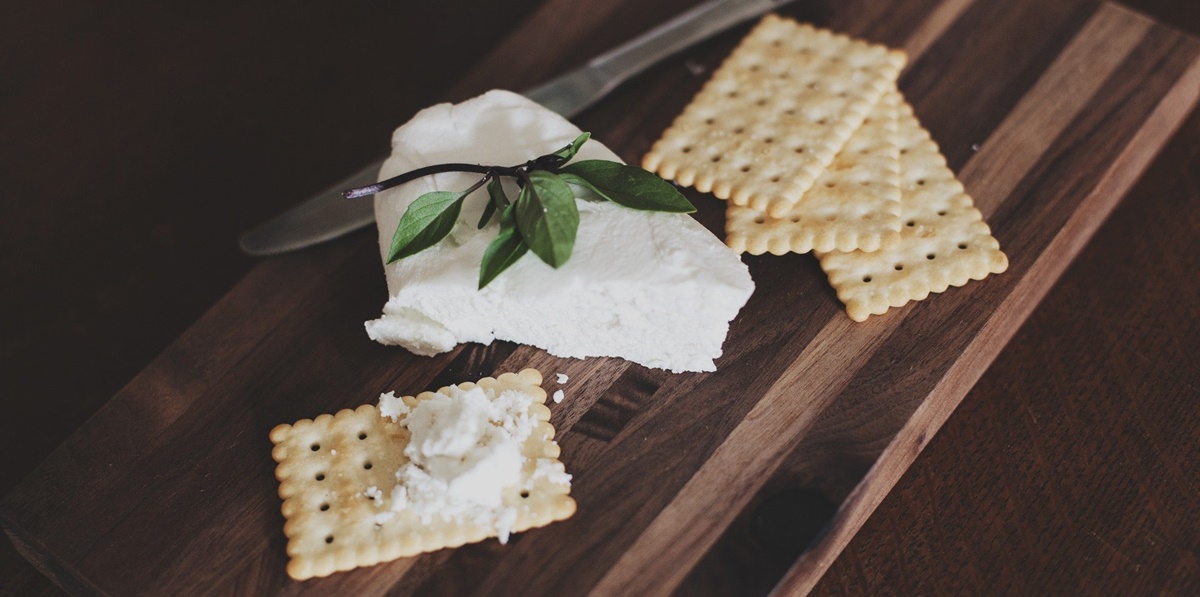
x=654 y=288
x=374 y=494
x=551 y=470
x=392 y=407
x=464 y=455
x=333 y=452
x=382 y=517
x=558 y=396
x=562 y=377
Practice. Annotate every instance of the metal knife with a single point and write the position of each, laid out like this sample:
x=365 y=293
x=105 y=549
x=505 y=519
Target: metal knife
x=328 y=215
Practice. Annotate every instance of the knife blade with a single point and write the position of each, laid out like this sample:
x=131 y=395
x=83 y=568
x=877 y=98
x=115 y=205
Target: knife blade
x=328 y=215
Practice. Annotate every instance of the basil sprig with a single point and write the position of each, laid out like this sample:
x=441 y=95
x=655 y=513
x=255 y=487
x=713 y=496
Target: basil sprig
x=544 y=219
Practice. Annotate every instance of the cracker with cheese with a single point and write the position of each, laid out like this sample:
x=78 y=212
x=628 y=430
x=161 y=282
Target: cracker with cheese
x=419 y=473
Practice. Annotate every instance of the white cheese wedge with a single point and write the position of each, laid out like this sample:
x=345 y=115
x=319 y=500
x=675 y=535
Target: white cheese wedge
x=654 y=288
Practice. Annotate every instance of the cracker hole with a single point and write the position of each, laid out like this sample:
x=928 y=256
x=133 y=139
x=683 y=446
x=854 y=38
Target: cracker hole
x=362 y=435
x=329 y=539
x=775 y=179
x=777 y=43
x=686 y=150
x=709 y=120
x=367 y=465
x=921 y=182
x=931 y=256
x=790 y=112
x=324 y=507
x=716 y=158
x=822 y=121
x=784 y=75
x=754 y=68
x=910 y=223
x=903 y=151
x=320 y=476
x=844 y=94
x=864 y=182
x=769 y=140
x=745 y=168
x=316 y=447
x=812 y=85
x=866 y=278
x=865 y=120
x=831 y=184
x=899 y=267
x=760 y=220
x=761 y=102
x=739 y=130
x=733 y=94
x=962 y=245
x=799 y=150
x=795 y=219
x=830 y=218
x=524 y=494
x=942 y=213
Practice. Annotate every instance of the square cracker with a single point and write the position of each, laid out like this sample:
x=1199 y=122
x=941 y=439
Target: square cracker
x=326 y=465
x=944 y=241
x=774 y=114
x=854 y=205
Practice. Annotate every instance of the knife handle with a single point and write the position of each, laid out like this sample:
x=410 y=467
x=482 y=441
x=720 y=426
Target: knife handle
x=693 y=26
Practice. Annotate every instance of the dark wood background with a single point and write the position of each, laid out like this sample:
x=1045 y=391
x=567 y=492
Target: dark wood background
x=137 y=141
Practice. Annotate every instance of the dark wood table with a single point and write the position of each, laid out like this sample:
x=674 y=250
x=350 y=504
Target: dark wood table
x=139 y=140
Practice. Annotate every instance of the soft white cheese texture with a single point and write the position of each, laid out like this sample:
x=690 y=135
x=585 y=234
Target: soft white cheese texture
x=464 y=453
x=654 y=288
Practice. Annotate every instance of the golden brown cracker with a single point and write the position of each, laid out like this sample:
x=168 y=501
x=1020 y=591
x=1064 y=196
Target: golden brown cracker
x=327 y=465
x=774 y=114
x=854 y=205
x=943 y=241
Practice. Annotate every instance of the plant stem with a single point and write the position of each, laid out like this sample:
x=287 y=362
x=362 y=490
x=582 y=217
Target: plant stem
x=411 y=175
x=550 y=163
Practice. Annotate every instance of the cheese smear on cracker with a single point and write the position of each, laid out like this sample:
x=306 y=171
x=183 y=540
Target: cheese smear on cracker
x=464 y=454
x=654 y=288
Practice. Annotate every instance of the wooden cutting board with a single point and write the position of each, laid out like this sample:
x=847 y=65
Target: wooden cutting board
x=751 y=478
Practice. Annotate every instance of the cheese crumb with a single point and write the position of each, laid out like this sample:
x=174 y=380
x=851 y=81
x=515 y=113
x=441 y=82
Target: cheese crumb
x=374 y=494
x=392 y=407
x=551 y=470
x=562 y=378
x=558 y=396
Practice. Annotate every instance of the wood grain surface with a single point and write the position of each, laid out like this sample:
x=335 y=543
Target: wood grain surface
x=1064 y=124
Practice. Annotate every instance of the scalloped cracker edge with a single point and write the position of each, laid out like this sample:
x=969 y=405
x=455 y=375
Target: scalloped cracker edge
x=943 y=241
x=854 y=205
x=775 y=114
x=323 y=473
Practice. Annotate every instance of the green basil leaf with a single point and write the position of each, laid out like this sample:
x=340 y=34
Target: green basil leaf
x=508 y=217
x=503 y=251
x=547 y=217
x=426 y=221
x=496 y=201
x=627 y=185
x=489 y=210
x=569 y=151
